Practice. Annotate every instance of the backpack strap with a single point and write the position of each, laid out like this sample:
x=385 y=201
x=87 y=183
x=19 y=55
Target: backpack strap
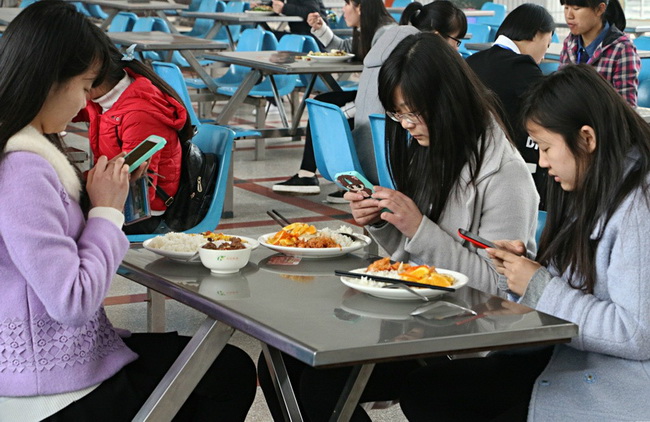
x=167 y=199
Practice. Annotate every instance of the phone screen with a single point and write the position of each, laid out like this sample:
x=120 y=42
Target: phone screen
x=138 y=152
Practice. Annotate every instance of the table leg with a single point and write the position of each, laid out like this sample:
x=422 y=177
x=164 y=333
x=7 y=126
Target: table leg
x=214 y=30
x=229 y=202
x=155 y=312
x=196 y=66
x=104 y=26
x=186 y=372
x=278 y=101
x=282 y=383
x=352 y=392
x=301 y=107
x=231 y=41
x=238 y=97
x=330 y=82
x=163 y=16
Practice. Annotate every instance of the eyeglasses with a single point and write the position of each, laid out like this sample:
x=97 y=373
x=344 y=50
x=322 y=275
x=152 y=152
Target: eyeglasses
x=455 y=39
x=412 y=118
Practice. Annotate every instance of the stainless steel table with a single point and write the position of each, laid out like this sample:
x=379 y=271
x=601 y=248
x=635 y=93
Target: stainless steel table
x=307 y=313
x=8 y=14
x=116 y=6
x=221 y=19
x=162 y=41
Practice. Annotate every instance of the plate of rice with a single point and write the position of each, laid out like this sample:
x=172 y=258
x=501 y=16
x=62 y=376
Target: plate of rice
x=399 y=271
x=183 y=246
x=300 y=239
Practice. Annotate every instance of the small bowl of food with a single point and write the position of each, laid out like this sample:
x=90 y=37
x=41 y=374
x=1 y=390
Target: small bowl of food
x=228 y=254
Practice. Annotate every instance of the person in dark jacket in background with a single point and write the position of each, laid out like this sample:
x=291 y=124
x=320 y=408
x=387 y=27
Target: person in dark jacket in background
x=510 y=68
x=301 y=8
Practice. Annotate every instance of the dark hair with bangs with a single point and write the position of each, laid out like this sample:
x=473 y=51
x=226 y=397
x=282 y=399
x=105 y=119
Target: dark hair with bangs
x=526 y=21
x=457 y=109
x=115 y=74
x=614 y=13
x=373 y=16
x=441 y=15
x=563 y=103
x=48 y=43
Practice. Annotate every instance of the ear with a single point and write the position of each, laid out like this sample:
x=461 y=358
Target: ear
x=588 y=135
x=601 y=9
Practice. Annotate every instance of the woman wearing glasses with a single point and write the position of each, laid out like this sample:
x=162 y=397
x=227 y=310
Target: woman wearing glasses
x=510 y=68
x=452 y=163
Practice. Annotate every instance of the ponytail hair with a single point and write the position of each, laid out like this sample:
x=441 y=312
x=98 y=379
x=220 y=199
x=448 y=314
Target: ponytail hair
x=441 y=16
x=614 y=13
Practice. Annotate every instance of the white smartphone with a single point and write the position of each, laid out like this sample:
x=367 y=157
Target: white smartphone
x=144 y=151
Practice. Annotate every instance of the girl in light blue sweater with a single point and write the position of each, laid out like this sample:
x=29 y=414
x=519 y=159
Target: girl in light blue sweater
x=592 y=269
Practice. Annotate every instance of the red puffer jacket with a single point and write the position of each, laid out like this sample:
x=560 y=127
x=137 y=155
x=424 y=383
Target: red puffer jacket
x=141 y=110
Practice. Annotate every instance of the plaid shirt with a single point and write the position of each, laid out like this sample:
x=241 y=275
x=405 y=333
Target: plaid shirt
x=615 y=59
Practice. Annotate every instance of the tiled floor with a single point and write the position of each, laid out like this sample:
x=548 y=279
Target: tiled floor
x=253 y=196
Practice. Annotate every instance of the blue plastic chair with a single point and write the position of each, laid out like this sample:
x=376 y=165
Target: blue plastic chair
x=480 y=34
x=123 y=22
x=235 y=30
x=96 y=11
x=643 y=43
x=250 y=40
x=202 y=25
x=319 y=85
x=378 y=130
x=643 y=98
x=25 y=3
x=549 y=67
x=147 y=24
x=216 y=140
x=334 y=148
x=399 y=3
x=541 y=222
x=500 y=12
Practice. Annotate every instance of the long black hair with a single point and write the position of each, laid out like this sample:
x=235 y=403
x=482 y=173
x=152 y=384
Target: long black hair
x=373 y=16
x=115 y=74
x=614 y=13
x=563 y=103
x=526 y=21
x=48 y=43
x=456 y=108
x=441 y=16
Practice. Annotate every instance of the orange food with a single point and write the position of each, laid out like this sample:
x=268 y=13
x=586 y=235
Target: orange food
x=424 y=274
x=301 y=235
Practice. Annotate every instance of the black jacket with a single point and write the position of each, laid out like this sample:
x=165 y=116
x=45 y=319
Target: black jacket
x=303 y=8
x=509 y=75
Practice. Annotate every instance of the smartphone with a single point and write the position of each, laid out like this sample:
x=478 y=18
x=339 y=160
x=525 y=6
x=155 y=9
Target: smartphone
x=353 y=181
x=477 y=240
x=144 y=151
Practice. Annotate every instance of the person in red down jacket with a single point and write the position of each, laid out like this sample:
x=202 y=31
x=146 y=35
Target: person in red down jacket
x=131 y=104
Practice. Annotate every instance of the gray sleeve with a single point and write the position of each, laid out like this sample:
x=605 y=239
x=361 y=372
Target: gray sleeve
x=536 y=286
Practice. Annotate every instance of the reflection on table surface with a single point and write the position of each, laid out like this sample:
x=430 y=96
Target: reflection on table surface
x=303 y=311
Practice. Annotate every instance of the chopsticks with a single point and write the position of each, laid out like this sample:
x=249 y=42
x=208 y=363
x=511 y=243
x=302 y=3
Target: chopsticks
x=392 y=280
x=278 y=218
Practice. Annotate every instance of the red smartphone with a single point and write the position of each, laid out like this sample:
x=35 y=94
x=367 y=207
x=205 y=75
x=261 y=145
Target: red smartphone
x=476 y=240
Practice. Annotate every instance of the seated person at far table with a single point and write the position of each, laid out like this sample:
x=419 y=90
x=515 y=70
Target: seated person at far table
x=510 y=68
x=131 y=104
x=301 y=8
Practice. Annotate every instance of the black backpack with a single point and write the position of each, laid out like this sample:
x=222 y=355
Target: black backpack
x=192 y=201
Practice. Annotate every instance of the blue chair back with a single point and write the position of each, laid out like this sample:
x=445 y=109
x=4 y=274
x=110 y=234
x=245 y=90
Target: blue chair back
x=235 y=30
x=291 y=42
x=480 y=34
x=96 y=11
x=82 y=9
x=194 y=6
x=210 y=139
x=171 y=74
x=202 y=25
x=399 y=3
x=643 y=43
x=269 y=41
x=378 y=130
x=123 y=22
x=541 y=222
x=25 y=3
x=500 y=12
x=147 y=24
x=334 y=148
x=549 y=67
x=643 y=98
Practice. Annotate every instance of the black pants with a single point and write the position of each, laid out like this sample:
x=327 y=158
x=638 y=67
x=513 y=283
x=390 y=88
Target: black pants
x=339 y=98
x=318 y=390
x=495 y=388
x=225 y=393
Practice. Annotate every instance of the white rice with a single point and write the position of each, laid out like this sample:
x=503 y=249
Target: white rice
x=372 y=283
x=178 y=242
x=342 y=240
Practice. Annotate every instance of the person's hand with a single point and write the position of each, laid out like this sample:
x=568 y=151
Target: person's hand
x=108 y=183
x=315 y=21
x=365 y=210
x=277 y=6
x=405 y=214
x=516 y=268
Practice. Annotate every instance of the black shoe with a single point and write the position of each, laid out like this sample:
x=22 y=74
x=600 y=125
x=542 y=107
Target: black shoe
x=336 y=197
x=299 y=186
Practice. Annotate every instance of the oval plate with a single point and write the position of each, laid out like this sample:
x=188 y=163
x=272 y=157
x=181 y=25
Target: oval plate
x=184 y=256
x=315 y=252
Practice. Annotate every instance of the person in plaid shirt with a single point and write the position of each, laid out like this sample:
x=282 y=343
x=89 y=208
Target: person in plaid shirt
x=596 y=39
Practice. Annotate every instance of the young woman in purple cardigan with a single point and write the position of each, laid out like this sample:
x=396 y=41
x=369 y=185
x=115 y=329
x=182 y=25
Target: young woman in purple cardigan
x=61 y=359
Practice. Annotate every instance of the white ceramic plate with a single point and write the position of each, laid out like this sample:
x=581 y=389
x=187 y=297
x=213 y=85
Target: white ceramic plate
x=401 y=294
x=315 y=252
x=260 y=12
x=331 y=59
x=184 y=256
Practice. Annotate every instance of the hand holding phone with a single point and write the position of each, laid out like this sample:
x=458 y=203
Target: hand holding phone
x=353 y=181
x=475 y=239
x=144 y=151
